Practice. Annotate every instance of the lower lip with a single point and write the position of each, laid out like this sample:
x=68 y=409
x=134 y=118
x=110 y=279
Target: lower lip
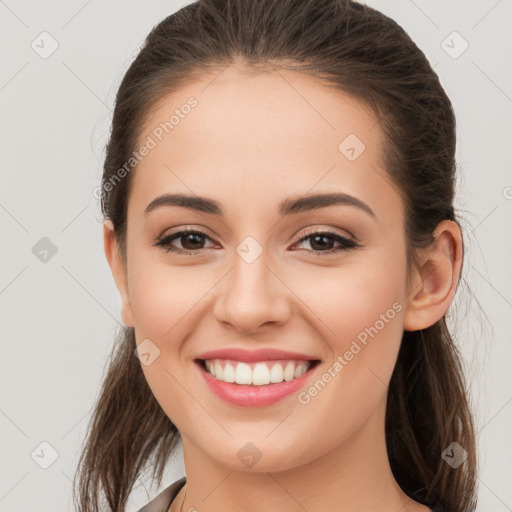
x=250 y=395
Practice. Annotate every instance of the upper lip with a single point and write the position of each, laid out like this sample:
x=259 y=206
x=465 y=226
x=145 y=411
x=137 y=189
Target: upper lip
x=262 y=354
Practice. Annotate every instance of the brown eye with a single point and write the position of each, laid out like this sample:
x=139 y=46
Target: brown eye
x=323 y=241
x=190 y=240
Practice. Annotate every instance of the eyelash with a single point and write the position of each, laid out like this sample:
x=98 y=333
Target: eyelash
x=165 y=242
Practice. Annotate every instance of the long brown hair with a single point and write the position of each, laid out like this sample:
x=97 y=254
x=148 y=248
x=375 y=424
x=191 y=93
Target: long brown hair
x=362 y=52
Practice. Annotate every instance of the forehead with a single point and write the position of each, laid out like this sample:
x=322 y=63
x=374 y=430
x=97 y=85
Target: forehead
x=261 y=137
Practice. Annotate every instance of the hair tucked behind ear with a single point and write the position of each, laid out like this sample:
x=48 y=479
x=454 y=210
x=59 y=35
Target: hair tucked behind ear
x=359 y=51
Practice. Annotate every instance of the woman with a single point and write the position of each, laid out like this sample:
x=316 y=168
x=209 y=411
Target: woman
x=278 y=197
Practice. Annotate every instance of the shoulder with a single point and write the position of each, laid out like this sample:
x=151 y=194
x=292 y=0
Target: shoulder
x=162 y=501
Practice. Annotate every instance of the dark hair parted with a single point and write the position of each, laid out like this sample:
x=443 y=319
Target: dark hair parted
x=367 y=55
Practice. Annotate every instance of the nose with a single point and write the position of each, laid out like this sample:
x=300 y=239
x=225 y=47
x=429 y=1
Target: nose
x=252 y=296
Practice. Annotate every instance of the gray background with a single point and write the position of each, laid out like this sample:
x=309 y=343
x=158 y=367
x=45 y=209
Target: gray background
x=58 y=317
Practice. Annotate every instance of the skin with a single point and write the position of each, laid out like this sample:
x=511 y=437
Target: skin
x=253 y=141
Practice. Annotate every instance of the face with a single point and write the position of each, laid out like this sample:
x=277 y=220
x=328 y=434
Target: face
x=327 y=283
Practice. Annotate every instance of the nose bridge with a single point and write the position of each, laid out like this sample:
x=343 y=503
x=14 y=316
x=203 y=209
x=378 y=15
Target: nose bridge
x=251 y=294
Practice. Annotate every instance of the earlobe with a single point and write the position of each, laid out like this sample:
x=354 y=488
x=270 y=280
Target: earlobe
x=436 y=280
x=118 y=269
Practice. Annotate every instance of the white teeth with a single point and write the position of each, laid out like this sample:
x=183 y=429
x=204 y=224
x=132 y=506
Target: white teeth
x=289 y=372
x=300 y=370
x=229 y=373
x=243 y=374
x=276 y=373
x=219 y=372
x=260 y=375
x=257 y=374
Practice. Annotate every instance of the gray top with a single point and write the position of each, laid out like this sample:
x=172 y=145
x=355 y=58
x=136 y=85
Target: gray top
x=163 y=501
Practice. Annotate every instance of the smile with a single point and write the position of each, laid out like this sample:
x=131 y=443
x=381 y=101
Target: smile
x=255 y=383
x=256 y=373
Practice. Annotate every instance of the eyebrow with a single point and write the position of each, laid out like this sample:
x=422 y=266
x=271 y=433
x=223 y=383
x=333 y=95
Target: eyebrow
x=289 y=206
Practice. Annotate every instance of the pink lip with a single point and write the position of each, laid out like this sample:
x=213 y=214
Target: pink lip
x=250 y=395
x=262 y=354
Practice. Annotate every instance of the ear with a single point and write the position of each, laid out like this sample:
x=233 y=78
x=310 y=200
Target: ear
x=118 y=269
x=435 y=282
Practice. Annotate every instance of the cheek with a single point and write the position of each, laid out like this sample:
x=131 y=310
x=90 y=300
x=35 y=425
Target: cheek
x=162 y=296
x=164 y=300
x=365 y=312
x=369 y=309
x=360 y=316
x=354 y=301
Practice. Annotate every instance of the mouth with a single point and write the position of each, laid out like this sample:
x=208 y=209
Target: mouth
x=256 y=373
x=255 y=383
